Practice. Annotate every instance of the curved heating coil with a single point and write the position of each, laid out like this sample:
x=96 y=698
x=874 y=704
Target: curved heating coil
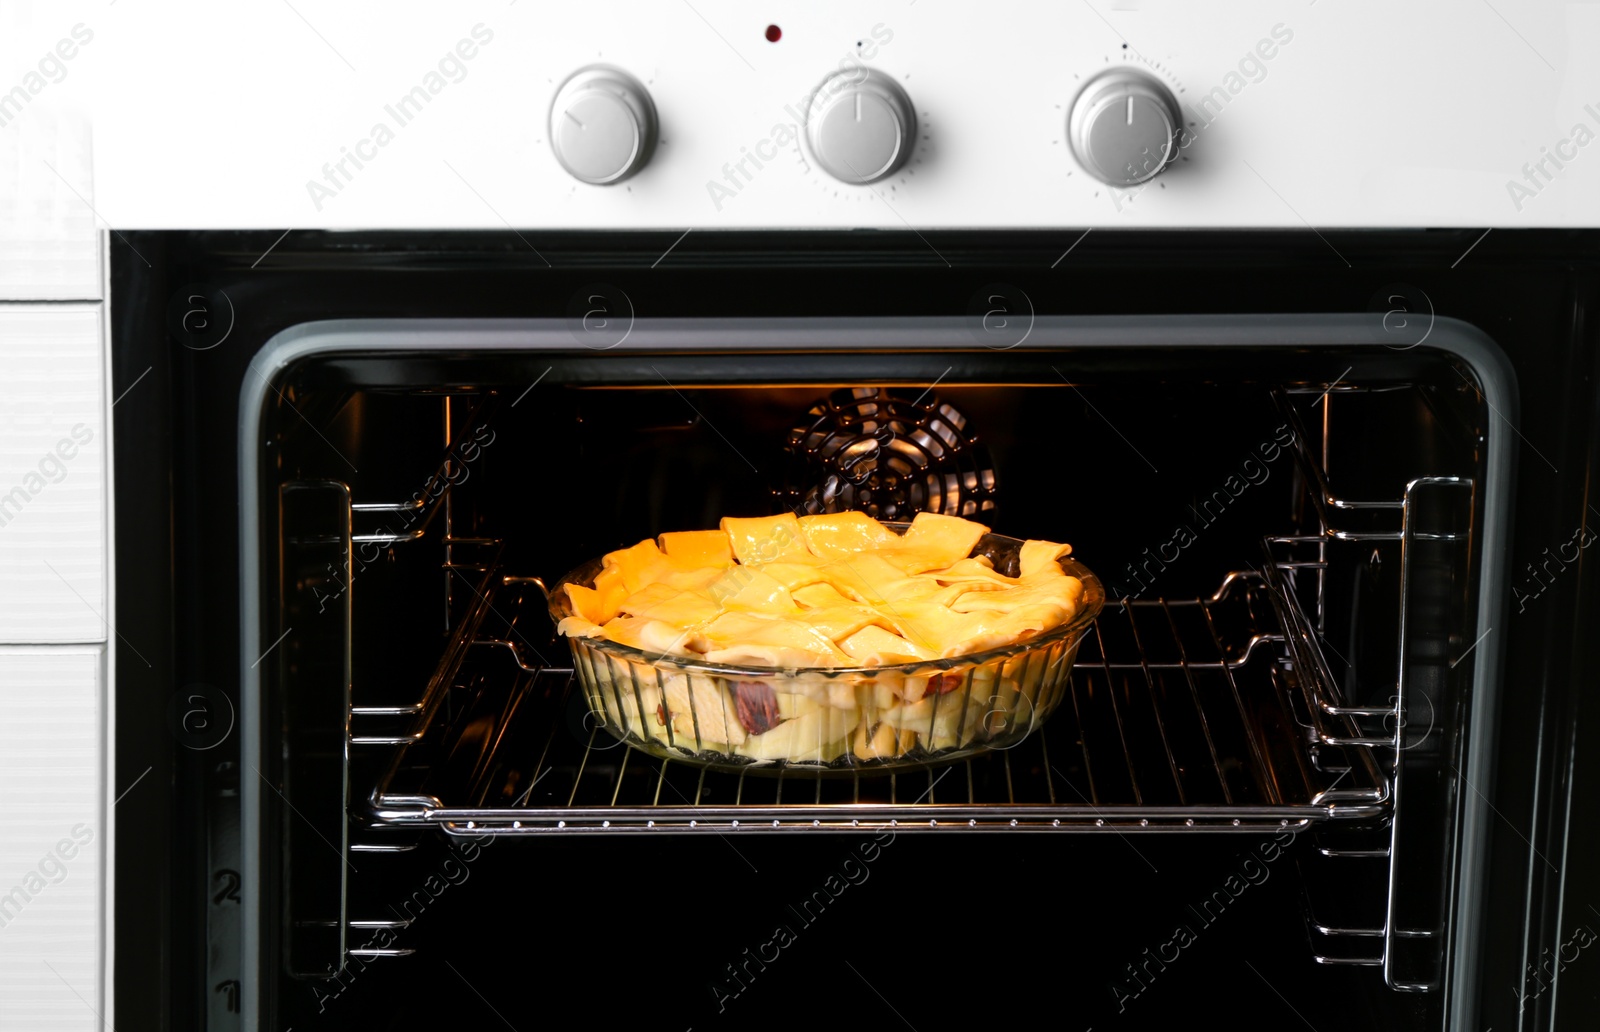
x=889 y=453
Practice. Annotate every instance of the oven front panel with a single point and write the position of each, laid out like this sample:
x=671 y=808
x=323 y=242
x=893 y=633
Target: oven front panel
x=1051 y=447
x=1274 y=124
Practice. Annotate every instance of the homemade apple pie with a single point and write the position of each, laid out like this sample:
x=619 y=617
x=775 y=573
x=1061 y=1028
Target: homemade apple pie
x=825 y=639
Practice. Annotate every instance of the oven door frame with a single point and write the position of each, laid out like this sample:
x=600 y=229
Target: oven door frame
x=1462 y=341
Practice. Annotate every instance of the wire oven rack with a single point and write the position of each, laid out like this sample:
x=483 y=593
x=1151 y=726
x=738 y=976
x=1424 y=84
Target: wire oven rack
x=1184 y=714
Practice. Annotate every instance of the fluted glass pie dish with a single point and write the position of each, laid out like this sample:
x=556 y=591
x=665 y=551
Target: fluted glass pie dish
x=835 y=718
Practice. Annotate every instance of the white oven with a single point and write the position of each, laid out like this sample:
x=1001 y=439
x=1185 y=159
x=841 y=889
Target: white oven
x=263 y=272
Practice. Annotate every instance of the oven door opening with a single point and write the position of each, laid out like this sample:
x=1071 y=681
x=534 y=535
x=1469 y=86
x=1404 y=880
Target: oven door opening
x=1273 y=702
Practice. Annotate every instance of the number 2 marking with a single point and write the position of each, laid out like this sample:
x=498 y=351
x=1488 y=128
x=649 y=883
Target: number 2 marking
x=230 y=886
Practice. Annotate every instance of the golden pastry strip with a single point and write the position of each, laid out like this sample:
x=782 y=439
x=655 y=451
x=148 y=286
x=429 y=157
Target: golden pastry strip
x=822 y=591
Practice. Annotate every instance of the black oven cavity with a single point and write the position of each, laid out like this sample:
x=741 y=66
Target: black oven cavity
x=1270 y=703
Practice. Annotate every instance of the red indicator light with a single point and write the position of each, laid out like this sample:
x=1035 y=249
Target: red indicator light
x=774 y=34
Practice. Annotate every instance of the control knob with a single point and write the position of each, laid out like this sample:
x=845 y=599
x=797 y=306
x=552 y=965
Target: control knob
x=1123 y=126
x=602 y=125
x=860 y=126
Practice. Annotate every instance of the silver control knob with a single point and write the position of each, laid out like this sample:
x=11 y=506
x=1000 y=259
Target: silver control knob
x=602 y=125
x=1123 y=126
x=860 y=126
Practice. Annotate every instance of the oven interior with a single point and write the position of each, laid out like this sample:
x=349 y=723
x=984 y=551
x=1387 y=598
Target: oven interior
x=1257 y=756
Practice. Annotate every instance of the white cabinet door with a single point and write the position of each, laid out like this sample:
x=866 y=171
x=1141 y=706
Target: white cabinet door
x=53 y=838
x=49 y=243
x=52 y=474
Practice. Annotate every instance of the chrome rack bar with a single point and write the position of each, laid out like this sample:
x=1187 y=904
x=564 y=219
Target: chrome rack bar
x=438 y=684
x=1322 y=495
x=437 y=487
x=385 y=739
x=382 y=847
x=1317 y=682
x=388 y=539
x=1420 y=631
x=385 y=711
x=370 y=951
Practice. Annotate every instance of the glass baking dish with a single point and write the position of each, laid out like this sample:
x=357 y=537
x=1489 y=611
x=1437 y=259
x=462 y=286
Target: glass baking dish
x=831 y=719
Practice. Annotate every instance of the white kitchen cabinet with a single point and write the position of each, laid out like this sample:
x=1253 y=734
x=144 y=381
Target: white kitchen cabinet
x=49 y=244
x=53 y=837
x=52 y=474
